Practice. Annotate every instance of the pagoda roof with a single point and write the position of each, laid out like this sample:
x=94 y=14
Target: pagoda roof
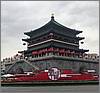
x=29 y=39
x=78 y=50
x=56 y=44
x=52 y=24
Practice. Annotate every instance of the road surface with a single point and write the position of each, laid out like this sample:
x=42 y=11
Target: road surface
x=52 y=89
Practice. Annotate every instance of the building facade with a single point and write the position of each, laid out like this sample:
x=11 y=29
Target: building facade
x=54 y=45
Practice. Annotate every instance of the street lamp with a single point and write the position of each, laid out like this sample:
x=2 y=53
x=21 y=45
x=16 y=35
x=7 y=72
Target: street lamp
x=82 y=42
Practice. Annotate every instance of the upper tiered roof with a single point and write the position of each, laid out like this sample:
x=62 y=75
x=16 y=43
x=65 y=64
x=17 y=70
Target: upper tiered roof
x=54 y=26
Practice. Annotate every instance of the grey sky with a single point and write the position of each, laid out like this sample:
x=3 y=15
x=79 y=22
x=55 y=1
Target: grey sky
x=18 y=17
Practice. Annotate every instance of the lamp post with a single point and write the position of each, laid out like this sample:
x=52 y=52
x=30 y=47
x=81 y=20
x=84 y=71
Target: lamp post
x=81 y=43
x=24 y=51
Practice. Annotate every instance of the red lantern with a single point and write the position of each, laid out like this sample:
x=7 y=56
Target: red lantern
x=40 y=51
x=62 y=51
x=68 y=51
x=34 y=52
x=46 y=49
x=50 y=50
x=73 y=52
x=43 y=50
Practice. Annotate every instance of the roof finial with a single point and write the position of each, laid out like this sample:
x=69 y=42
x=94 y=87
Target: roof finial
x=52 y=16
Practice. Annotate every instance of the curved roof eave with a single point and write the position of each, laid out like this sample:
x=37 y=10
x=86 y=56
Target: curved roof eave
x=42 y=27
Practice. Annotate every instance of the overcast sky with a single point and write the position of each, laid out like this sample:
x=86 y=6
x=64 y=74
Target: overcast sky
x=18 y=17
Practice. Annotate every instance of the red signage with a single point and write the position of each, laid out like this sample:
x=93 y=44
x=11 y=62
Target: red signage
x=54 y=73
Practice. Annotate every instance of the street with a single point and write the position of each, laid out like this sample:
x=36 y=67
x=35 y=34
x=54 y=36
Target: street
x=60 y=89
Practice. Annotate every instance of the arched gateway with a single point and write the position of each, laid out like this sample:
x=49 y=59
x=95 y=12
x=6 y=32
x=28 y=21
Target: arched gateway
x=19 y=67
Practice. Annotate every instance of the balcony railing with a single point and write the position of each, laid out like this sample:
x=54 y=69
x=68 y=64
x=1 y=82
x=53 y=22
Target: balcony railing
x=13 y=61
x=64 y=57
x=8 y=62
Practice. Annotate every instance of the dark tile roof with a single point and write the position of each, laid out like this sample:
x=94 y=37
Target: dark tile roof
x=52 y=24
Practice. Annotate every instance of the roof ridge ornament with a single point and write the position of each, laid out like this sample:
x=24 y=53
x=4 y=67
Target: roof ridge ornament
x=52 y=16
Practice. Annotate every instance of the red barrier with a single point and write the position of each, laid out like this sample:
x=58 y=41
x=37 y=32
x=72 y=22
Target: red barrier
x=65 y=75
